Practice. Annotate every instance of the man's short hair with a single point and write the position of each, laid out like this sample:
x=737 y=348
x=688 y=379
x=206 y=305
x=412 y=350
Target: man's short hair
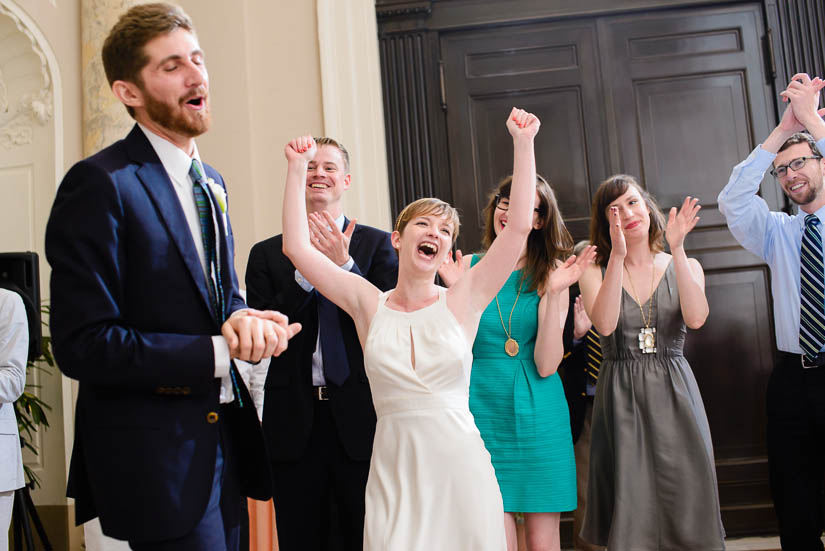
x=323 y=140
x=123 y=51
x=801 y=137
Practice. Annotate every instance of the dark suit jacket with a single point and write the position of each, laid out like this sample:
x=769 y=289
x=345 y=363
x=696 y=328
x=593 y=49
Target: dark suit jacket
x=572 y=371
x=288 y=399
x=131 y=321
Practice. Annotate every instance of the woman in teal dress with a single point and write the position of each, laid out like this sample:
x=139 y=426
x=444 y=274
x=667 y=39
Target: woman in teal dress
x=516 y=396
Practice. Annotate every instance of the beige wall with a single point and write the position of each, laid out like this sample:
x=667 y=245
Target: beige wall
x=266 y=88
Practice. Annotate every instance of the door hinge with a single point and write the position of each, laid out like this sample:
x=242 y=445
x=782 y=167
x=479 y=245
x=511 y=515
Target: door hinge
x=769 y=57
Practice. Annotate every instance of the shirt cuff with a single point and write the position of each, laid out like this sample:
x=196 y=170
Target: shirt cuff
x=304 y=284
x=347 y=266
x=762 y=159
x=222 y=359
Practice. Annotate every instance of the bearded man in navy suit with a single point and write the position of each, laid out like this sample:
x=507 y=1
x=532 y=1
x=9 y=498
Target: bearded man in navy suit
x=146 y=312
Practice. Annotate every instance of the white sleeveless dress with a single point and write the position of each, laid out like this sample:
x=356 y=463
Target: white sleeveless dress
x=431 y=483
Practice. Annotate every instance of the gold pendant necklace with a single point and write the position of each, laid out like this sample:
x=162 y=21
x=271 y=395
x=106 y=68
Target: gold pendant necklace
x=511 y=344
x=647 y=334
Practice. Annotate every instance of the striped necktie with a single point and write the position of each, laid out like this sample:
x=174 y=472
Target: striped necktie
x=206 y=215
x=812 y=284
x=207 y=220
x=594 y=356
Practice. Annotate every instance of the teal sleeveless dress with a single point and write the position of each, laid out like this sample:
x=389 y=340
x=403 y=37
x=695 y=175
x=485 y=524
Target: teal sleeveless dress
x=523 y=418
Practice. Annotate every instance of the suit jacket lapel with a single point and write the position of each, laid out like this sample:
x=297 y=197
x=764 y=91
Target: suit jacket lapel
x=159 y=187
x=355 y=239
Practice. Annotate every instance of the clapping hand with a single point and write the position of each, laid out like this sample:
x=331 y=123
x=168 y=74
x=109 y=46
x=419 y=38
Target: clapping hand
x=327 y=238
x=571 y=270
x=255 y=334
x=581 y=322
x=681 y=223
x=452 y=270
x=618 y=245
x=522 y=125
x=802 y=95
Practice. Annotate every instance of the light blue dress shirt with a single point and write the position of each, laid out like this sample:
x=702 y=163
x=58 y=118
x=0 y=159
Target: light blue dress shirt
x=775 y=237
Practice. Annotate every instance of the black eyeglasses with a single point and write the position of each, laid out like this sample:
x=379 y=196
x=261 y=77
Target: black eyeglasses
x=796 y=164
x=505 y=206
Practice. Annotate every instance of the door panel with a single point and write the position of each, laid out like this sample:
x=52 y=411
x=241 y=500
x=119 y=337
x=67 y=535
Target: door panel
x=549 y=69
x=675 y=98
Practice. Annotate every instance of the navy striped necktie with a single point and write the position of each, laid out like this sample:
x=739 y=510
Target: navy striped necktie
x=812 y=286
x=208 y=223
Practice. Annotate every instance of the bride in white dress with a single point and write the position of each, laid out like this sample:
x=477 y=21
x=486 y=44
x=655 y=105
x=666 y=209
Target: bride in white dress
x=431 y=484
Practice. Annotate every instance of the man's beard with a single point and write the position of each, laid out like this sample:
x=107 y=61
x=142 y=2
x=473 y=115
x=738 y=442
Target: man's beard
x=166 y=116
x=809 y=197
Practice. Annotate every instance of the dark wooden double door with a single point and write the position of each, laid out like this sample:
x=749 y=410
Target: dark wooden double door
x=675 y=98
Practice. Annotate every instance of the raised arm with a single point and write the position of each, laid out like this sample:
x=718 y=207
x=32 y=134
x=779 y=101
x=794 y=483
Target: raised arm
x=690 y=279
x=481 y=283
x=352 y=293
x=553 y=306
x=603 y=296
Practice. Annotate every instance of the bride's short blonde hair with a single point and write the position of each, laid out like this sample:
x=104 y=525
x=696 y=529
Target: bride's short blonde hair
x=428 y=206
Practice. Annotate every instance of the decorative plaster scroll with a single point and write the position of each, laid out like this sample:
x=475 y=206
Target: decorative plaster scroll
x=25 y=83
x=105 y=120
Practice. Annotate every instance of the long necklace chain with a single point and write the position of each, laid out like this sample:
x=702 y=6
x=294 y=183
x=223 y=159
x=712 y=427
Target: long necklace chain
x=510 y=345
x=636 y=295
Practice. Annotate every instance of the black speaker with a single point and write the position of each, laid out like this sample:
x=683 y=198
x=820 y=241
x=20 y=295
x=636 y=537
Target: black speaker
x=20 y=272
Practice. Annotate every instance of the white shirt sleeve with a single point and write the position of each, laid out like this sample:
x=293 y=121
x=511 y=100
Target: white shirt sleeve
x=14 y=346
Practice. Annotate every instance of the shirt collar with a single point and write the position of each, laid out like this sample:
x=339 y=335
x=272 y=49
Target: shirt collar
x=174 y=159
x=340 y=222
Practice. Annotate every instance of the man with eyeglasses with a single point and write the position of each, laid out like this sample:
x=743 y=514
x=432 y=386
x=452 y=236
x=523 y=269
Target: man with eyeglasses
x=792 y=247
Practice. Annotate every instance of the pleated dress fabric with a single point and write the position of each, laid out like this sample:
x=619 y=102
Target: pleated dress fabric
x=431 y=485
x=523 y=418
x=652 y=483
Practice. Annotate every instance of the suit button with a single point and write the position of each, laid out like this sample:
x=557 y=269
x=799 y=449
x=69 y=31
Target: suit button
x=211 y=417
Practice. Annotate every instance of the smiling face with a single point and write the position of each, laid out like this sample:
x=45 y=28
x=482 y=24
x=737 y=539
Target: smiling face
x=425 y=242
x=502 y=210
x=327 y=179
x=803 y=186
x=633 y=213
x=171 y=97
x=639 y=215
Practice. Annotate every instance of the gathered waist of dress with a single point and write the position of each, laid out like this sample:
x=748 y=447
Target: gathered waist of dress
x=637 y=355
x=420 y=403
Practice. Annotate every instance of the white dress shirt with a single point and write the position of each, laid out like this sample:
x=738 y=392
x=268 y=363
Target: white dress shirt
x=177 y=164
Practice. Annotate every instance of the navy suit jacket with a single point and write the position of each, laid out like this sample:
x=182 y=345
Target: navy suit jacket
x=288 y=397
x=131 y=321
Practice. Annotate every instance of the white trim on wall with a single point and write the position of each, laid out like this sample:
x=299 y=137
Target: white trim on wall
x=40 y=42
x=353 y=104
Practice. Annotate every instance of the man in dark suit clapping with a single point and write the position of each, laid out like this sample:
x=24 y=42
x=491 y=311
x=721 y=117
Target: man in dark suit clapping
x=146 y=312
x=318 y=416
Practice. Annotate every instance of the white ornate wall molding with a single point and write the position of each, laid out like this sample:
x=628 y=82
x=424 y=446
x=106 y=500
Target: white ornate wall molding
x=31 y=147
x=46 y=55
x=26 y=95
x=105 y=120
x=353 y=105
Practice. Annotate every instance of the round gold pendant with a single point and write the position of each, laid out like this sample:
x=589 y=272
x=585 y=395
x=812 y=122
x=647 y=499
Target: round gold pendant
x=511 y=347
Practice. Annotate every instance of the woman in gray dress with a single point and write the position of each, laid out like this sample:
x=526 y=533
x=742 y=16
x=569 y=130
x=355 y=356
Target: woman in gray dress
x=652 y=476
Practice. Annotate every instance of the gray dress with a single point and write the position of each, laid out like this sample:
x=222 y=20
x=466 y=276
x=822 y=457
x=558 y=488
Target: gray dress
x=652 y=479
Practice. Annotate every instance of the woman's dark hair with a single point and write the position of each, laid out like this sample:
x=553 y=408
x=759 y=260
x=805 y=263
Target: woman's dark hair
x=610 y=190
x=546 y=245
